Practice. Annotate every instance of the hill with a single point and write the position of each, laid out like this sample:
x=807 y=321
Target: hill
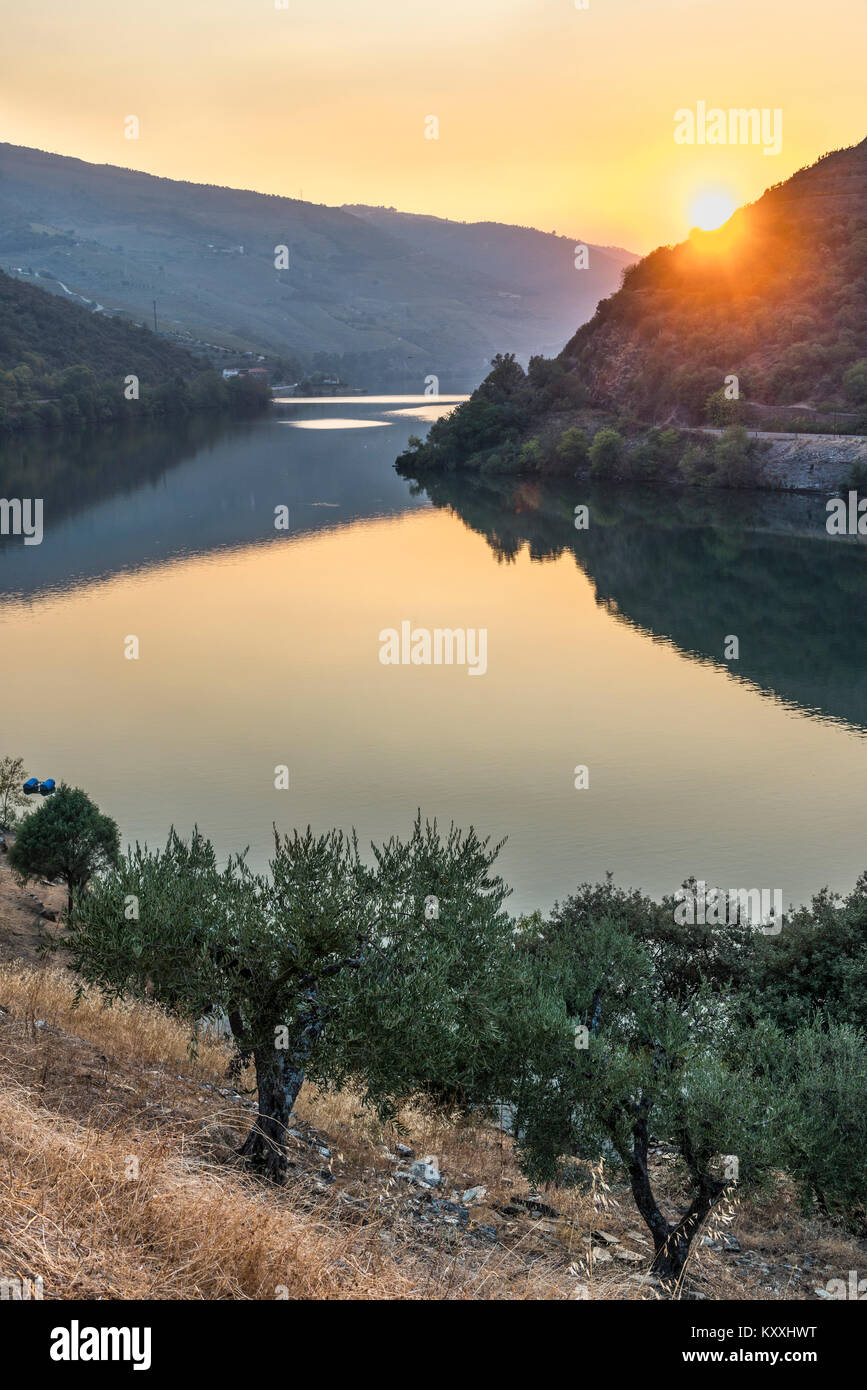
x=382 y=298
x=777 y=296
x=762 y=322
x=61 y=363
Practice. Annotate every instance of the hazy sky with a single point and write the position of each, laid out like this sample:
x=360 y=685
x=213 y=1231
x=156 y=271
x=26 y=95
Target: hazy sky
x=549 y=116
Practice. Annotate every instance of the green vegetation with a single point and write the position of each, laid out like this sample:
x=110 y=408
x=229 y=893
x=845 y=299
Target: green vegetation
x=738 y=327
x=69 y=838
x=606 y=454
x=62 y=366
x=513 y=424
x=598 y=1026
x=319 y=966
x=12 y=798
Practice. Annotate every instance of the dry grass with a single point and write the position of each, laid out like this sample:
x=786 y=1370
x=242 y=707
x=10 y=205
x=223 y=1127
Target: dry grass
x=140 y=1033
x=87 y=1089
x=73 y=1211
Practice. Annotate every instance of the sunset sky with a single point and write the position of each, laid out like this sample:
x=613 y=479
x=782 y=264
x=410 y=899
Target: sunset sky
x=549 y=116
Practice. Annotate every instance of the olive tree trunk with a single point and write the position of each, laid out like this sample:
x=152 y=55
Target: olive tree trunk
x=672 y=1241
x=279 y=1078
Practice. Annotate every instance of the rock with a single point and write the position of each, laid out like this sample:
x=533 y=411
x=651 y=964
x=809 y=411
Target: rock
x=427 y=1170
x=487 y=1232
x=533 y=1202
x=693 y=1296
x=631 y=1257
x=450 y=1212
x=601 y=1256
x=474 y=1194
x=603 y=1238
x=730 y=1244
x=49 y=914
x=404 y=1151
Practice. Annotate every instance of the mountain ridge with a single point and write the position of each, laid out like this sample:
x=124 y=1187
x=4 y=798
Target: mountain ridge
x=356 y=297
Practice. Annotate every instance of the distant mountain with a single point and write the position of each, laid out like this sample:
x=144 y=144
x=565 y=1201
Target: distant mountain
x=381 y=296
x=538 y=266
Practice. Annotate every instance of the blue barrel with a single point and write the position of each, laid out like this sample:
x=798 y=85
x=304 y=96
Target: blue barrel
x=32 y=784
x=47 y=787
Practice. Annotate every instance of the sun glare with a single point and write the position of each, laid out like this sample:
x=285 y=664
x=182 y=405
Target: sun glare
x=711 y=209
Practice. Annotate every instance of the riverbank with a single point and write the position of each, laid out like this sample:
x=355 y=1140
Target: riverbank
x=487 y=441
x=812 y=462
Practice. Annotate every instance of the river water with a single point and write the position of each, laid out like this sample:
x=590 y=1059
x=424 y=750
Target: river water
x=260 y=647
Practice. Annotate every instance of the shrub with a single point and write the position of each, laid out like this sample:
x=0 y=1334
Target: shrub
x=824 y=1121
x=606 y=453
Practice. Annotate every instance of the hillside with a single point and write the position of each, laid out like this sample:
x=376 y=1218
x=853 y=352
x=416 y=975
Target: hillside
x=777 y=296
x=86 y=1087
x=378 y=297
x=537 y=266
x=761 y=323
x=61 y=363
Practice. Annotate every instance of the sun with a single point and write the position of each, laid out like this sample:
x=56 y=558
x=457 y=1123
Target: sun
x=711 y=209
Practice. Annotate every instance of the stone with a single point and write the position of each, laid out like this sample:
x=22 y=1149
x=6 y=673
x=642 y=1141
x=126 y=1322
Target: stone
x=533 y=1202
x=427 y=1170
x=603 y=1238
x=474 y=1194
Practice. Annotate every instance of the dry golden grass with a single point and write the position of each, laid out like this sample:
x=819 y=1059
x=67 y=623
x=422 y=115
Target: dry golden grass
x=70 y=1213
x=139 y=1033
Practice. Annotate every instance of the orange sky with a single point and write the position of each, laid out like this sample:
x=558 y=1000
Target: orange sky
x=549 y=116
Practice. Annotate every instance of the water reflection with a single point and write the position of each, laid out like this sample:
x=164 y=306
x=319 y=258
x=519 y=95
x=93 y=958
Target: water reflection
x=696 y=567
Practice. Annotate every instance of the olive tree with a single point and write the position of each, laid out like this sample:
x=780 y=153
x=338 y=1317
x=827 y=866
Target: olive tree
x=821 y=1075
x=264 y=951
x=281 y=955
x=425 y=1013
x=603 y=1052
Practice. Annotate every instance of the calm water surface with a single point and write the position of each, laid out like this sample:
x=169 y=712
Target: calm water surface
x=261 y=647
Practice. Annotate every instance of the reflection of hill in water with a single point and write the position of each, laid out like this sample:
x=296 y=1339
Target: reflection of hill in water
x=695 y=567
x=123 y=499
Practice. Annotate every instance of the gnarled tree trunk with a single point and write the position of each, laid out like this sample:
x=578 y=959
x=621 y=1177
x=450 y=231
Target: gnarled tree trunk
x=671 y=1241
x=279 y=1078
